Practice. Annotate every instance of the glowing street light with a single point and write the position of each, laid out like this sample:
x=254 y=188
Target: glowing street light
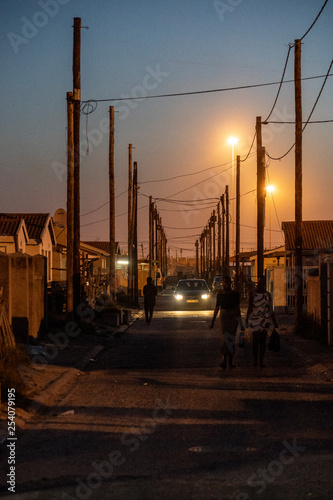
x=270 y=188
x=233 y=141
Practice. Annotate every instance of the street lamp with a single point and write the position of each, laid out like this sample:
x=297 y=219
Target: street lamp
x=270 y=189
x=233 y=141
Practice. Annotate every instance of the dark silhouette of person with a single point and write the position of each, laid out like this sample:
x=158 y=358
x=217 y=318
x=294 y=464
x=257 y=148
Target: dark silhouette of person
x=149 y=293
x=260 y=317
x=228 y=301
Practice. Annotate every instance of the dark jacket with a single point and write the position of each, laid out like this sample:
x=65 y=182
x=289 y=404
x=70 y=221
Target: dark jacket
x=149 y=292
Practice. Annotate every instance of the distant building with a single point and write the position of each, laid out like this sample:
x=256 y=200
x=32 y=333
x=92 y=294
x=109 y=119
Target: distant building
x=317 y=243
x=35 y=237
x=13 y=236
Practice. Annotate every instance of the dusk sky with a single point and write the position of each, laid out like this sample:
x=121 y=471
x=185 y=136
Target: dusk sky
x=147 y=48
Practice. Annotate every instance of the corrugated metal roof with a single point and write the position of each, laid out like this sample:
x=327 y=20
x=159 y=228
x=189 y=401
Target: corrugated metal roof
x=316 y=235
x=102 y=245
x=35 y=223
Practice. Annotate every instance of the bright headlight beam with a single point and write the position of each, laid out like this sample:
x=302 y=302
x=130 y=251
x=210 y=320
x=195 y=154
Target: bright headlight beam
x=179 y=297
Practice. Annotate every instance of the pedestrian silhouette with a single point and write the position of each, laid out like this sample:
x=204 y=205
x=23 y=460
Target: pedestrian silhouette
x=149 y=293
x=228 y=301
x=260 y=317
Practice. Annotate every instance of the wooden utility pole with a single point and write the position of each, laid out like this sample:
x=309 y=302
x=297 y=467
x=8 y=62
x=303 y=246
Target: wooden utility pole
x=151 y=235
x=237 y=222
x=219 y=238
x=70 y=202
x=223 y=232
x=112 y=271
x=298 y=189
x=227 y=244
x=197 y=257
x=201 y=255
x=129 y=223
x=76 y=133
x=135 y=233
x=166 y=256
x=214 y=242
x=260 y=200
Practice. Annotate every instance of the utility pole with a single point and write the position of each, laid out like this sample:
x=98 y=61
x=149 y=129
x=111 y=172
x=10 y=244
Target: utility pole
x=219 y=238
x=197 y=257
x=223 y=232
x=260 y=200
x=166 y=256
x=151 y=236
x=112 y=272
x=201 y=253
x=237 y=222
x=76 y=133
x=227 y=245
x=135 y=233
x=214 y=242
x=70 y=202
x=129 y=224
x=298 y=189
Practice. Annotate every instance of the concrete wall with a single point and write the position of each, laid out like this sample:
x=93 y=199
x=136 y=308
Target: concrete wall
x=23 y=280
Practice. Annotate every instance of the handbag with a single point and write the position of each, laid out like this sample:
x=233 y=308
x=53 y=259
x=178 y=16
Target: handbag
x=274 y=341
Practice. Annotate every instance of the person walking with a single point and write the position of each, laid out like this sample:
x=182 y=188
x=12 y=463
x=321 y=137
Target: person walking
x=260 y=317
x=227 y=300
x=149 y=293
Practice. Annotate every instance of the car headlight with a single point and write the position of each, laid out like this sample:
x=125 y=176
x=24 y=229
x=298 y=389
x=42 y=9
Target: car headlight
x=205 y=296
x=178 y=296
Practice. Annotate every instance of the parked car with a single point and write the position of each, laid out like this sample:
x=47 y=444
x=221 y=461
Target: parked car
x=217 y=283
x=192 y=293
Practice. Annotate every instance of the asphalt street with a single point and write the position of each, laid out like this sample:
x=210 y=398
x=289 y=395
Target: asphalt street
x=154 y=416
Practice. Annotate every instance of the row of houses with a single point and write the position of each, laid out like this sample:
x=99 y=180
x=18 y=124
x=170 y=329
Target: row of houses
x=36 y=234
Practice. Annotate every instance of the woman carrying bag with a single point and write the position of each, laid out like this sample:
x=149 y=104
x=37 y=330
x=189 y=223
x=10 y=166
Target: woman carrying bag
x=259 y=318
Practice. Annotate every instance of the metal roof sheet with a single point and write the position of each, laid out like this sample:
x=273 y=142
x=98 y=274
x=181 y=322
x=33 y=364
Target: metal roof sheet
x=316 y=235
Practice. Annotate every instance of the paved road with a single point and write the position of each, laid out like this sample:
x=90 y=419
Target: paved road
x=155 y=417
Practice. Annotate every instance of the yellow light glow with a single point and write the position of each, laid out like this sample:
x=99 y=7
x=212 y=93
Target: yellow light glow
x=270 y=189
x=233 y=141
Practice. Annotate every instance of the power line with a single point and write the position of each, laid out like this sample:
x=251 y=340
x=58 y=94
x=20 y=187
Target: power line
x=95 y=209
x=293 y=123
x=281 y=83
x=182 y=228
x=185 y=175
x=176 y=94
x=311 y=113
x=314 y=22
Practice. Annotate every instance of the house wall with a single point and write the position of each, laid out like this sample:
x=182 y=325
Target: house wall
x=23 y=280
x=7 y=244
x=59 y=271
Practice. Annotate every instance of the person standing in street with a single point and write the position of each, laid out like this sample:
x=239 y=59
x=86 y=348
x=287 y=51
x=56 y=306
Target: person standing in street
x=149 y=293
x=260 y=317
x=228 y=301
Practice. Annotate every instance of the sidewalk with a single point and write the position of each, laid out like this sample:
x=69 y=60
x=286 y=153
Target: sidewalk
x=55 y=375
x=55 y=362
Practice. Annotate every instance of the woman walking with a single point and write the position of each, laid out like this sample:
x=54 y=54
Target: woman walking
x=259 y=318
x=228 y=301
